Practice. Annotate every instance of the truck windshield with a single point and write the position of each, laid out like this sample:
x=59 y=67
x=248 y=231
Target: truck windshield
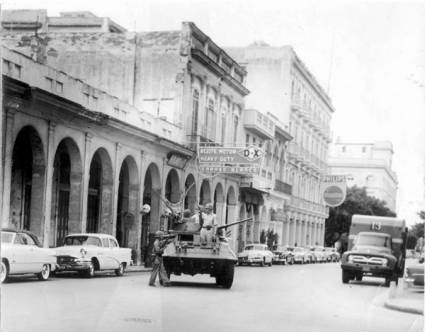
x=373 y=240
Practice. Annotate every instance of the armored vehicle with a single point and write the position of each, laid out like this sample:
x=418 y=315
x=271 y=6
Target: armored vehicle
x=186 y=254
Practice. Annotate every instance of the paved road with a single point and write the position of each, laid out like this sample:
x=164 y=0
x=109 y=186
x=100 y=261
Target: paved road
x=307 y=298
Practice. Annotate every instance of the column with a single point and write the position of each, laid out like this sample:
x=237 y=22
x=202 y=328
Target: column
x=231 y=210
x=8 y=151
x=286 y=240
x=48 y=186
x=115 y=185
x=139 y=216
x=220 y=212
x=294 y=231
x=86 y=179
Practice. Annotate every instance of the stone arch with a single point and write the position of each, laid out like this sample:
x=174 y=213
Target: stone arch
x=190 y=192
x=100 y=195
x=126 y=228
x=205 y=192
x=231 y=204
x=66 y=191
x=150 y=221
x=28 y=181
x=172 y=186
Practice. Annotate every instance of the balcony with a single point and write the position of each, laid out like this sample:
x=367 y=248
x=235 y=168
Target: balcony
x=259 y=124
x=282 y=187
x=256 y=182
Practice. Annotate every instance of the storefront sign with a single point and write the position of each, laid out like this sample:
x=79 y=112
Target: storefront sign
x=236 y=155
x=229 y=169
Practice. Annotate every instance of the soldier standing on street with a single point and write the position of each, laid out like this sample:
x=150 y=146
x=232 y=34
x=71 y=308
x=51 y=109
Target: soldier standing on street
x=158 y=265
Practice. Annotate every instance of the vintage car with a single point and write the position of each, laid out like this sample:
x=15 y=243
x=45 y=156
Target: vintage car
x=332 y=254
x=302 y=255
x=90 y=252
x=256 y=254
x=320 y=255
x=414 y=277
x=22 y=254
x=283 y=255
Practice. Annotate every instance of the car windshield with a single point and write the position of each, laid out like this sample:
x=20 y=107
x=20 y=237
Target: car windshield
x=82 y=240
x=373 y=240
x=254 y=248
x=7 y=237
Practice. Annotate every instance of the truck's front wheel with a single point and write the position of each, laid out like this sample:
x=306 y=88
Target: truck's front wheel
x=345 y=277
x=226 y=278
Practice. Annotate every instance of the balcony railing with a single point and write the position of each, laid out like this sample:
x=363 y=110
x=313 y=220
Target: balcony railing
x=282 y=187
x=261 y=124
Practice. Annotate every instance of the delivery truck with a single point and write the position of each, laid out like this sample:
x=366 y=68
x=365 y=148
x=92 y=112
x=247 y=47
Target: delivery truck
x=376 y=247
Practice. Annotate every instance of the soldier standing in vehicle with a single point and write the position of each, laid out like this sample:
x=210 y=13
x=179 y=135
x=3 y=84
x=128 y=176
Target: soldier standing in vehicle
x=158 y=265
x=208 y=225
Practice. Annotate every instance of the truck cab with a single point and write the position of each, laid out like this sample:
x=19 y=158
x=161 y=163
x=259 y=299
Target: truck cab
x=377 y=247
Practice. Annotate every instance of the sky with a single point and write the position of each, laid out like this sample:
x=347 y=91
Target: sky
x=368 y=55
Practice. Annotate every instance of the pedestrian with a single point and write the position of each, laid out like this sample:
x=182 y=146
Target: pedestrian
x=208 y=224
x=158 y=265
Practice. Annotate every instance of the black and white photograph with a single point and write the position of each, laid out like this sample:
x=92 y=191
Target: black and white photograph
x=212 y=166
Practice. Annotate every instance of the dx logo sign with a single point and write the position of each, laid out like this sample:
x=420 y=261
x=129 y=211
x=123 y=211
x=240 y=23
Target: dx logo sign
x=252 y=153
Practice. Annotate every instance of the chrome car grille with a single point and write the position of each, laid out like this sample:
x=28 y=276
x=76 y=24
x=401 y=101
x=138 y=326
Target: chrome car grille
x=377 y=261
x=65 y=259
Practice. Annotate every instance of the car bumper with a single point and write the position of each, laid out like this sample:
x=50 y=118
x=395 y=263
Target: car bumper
x=73 y=266
x=250 y=260
x=375 y=270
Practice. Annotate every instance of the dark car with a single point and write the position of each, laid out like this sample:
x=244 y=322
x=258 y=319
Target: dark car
x=283 y=255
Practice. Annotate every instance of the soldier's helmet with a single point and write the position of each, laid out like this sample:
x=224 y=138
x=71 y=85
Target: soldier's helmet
x=159 y=234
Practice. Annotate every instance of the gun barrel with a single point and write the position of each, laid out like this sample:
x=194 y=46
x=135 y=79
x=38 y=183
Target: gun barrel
x=233 y=223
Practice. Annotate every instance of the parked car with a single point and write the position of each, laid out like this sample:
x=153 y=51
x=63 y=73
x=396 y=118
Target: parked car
x=318 y=256
x=22 y=254
x=256 y=254
x=333 y=254
x=414 y=277
x=90 y=252
x=302 y=255
x=283 y=255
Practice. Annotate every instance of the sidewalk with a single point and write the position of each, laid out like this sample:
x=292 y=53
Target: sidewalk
x=138 y=268
x=403 y=299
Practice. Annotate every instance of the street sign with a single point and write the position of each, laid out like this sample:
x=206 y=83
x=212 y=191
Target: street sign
x=334 y=189
x=234 y=155
x=229 y=169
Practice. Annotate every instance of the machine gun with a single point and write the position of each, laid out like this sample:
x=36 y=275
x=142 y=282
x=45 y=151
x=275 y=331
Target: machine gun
x=220 y=228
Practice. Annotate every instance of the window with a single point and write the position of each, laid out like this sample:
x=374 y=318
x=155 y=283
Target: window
x=223 y=126
x=49 y=83
x=210 y=120
x=28 y=239
x=59 y=87
x=19 y=239
x=247 y=140
x=343 y=149
x=363 y=149
x=113 y=243
x=235 y=127
x=195 y=110
x=254 y=140
x=105 y=242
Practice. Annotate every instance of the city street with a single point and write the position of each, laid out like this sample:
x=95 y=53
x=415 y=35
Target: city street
x=278 y=298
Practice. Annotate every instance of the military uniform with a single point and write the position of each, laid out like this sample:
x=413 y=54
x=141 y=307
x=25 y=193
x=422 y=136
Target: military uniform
x=207 y=230
x=158 y=265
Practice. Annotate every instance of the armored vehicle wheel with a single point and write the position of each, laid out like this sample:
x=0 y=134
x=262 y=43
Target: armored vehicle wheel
x=226 y=279
x=387 y=282
x=345 y=277
x=359 y=277
x=263 y=262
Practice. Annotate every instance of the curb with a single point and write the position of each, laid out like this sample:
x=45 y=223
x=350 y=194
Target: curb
x=138 y=269
x=402 y=308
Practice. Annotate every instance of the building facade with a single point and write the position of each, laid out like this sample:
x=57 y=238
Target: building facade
x=282 y=85
x=367 y=165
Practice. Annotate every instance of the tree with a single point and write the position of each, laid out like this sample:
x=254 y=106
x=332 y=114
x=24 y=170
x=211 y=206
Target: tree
x=357 y=201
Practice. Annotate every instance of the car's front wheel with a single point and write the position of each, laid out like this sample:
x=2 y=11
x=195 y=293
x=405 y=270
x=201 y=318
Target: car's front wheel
x=45 y=273
x=4 y=276
x=120 y=271
x=89 y=273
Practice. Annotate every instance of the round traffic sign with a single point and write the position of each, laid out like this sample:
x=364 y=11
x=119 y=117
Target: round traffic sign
x=333 y=195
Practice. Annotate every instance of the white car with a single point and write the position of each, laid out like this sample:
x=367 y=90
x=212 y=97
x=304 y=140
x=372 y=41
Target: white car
x=256 y=254
x=22 y=253
x=90 y=252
